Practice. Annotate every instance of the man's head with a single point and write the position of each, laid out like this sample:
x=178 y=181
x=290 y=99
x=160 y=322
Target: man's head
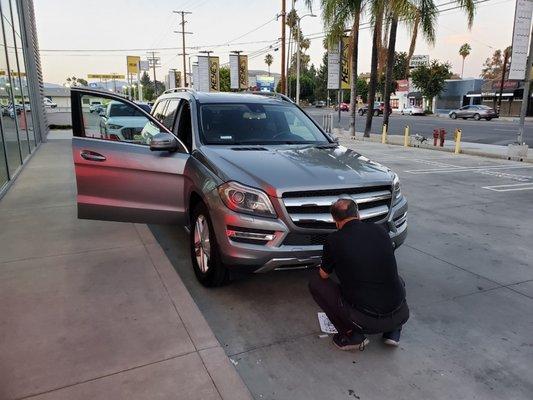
x=344 y=210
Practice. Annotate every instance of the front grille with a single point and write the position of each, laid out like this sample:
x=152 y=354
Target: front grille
x=302 y=239
x=310 y=209
x=129 y=133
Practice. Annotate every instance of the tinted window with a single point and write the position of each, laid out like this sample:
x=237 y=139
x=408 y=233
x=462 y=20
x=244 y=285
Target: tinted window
x=257 y=124
x=117 y=109
x=170 y=112
x=157 y=112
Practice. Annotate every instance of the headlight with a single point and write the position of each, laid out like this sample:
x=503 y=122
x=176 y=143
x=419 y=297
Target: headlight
x=245 y=199
x=396 y=189
x=113 y=126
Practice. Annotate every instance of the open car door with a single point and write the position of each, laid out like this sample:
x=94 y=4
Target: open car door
x=128 y=166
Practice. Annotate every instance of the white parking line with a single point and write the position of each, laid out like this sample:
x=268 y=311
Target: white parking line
x=457 y=168
x=509 y=188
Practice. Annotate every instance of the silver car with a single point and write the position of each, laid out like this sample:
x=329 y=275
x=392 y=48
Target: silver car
x=474 y=111
x=252 y=178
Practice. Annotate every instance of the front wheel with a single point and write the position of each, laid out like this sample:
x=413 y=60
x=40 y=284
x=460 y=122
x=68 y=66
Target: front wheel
x=453 y=116
x=477 y=117
x=376 y=113
x=205 y=255
x=488 y=119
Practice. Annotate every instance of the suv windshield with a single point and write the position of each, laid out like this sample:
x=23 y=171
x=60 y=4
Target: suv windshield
x=123 y=110
x=257 y=124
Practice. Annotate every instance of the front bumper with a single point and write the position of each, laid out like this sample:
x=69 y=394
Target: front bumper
x=274 y=255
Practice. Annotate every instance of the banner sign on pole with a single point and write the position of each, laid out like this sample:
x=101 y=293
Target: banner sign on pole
x=243 y=72
x=144 y=65
x=133 y=64
x=346 y=64
x=338 y=64
x=203 y=74
x=214 y=74
x=333 y=67
x=521 y=34
x=234 y=71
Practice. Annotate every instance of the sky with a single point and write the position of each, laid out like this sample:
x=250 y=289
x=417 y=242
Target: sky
x=134 y=26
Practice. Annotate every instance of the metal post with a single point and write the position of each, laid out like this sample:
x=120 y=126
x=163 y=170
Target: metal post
x=384 y=134
x=525 y=98
x=406 y=136
x=458 y=141
x=340 y=84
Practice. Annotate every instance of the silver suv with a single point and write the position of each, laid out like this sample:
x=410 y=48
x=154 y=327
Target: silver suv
x=252 y=177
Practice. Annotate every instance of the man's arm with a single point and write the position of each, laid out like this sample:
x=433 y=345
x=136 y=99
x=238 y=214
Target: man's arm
x=328 y=261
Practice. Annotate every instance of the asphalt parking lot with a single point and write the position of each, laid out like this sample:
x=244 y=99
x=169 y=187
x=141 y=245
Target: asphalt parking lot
x=467 y=263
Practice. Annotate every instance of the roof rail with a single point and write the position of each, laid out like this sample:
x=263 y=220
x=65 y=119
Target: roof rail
x=180 y=89
x=272 y=94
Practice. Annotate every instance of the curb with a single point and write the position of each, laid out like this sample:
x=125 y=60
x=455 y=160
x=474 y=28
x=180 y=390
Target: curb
x=227 y=381
x=397 y=140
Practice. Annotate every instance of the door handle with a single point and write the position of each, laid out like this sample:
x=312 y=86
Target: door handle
x=92 y=156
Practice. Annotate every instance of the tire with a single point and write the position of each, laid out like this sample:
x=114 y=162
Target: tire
x=453 y=116
x=477 y=117
x=205 y=254
x=376 y=113
x=360 y=112
x=488 y=119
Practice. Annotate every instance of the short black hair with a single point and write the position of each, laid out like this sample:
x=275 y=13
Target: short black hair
x=343 y=209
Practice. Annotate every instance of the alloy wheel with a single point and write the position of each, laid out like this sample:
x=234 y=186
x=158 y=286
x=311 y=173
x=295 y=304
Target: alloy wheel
x=202 y=245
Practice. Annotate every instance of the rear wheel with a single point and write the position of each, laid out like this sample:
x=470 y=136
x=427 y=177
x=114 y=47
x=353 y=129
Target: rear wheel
x=205 y=255
x=453 y=116
x=376 y=113
x=361 y=112
x=488 y=118
x=477 y=117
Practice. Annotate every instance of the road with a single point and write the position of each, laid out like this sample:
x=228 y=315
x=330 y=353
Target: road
x=489 y=132
x=467 y=267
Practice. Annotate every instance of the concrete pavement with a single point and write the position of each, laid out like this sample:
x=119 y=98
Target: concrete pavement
x=94 y=310
x=468 y=270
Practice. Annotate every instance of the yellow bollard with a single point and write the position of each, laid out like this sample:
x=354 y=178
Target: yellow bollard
x=384 y=135
x=458 y=141
x=406 y=136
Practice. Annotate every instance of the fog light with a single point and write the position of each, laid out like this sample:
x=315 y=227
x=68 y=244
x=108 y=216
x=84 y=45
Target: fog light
x=261 y=237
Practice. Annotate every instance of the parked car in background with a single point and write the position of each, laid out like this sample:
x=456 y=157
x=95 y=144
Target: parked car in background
x=474 y=111
x=145 y=106
x=344 y=107
x=320 y=104
x=14 y=110
x=49 y=103
x=96 y=107
x=121 y=123
x=379 y=109
x=413 y=110
x=251 y=176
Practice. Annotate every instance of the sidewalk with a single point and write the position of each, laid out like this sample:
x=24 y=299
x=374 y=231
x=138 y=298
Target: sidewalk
x=475 y=149
x=94 y=310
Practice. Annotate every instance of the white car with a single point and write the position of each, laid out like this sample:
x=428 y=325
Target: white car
x=122 y=123
x=49 y=103
x=413 y=110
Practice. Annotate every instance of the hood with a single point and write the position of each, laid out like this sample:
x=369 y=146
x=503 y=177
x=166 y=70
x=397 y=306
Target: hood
x=277 y=169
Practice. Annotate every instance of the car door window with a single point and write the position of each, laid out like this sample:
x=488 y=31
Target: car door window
x=168 y=116
x=159 y=110
x=116 y=120
x=183 y=125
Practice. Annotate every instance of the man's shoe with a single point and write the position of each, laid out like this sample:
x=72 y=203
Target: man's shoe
x=345 y=342
x=392 y=338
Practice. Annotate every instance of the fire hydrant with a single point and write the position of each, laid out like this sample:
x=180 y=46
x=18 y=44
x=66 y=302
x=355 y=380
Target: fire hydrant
x=442 y=136
x=435 y=136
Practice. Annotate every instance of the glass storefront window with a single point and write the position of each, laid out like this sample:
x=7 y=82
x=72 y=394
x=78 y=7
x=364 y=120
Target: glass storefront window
x=8 y=110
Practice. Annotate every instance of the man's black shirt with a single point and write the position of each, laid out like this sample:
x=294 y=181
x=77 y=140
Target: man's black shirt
x=362 y=256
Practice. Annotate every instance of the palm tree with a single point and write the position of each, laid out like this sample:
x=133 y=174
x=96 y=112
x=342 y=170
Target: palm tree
x=464 y=51
x=268 y=61
x=337 y=16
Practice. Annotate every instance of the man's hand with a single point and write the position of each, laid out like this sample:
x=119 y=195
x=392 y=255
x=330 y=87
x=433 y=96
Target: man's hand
x=323 y=274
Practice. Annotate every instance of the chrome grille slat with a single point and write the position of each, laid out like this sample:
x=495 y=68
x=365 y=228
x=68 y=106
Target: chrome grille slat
x=360 y=198
x=311 y=209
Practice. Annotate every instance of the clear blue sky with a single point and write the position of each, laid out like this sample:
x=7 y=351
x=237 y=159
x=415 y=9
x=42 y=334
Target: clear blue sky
x=133 y=24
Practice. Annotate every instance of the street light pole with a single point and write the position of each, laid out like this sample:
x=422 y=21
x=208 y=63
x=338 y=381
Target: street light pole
x=298 y=56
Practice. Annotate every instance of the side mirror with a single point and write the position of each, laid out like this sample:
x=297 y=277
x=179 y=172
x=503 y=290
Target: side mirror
x=163 y=142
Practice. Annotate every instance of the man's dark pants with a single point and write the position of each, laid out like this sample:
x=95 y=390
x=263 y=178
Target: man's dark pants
x=345 y=318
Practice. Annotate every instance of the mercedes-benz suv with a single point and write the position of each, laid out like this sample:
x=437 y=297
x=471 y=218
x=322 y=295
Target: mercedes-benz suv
x=251 y=176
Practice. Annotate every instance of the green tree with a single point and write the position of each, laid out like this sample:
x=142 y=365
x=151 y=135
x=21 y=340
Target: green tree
x=321 y=81
x=400 y=70
x=73 y=81
x=464 y=51
x=431 y=79
x=268 y=61
x=148 y=87
x=225 y=83
x=493 y=66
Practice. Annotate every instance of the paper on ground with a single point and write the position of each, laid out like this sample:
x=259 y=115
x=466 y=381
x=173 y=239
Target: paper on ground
x=325 y=324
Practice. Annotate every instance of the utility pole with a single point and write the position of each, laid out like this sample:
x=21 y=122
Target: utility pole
x=283 y=87
x=153 y=62
x=298 y=32
x=502 y=80
x=183 y=33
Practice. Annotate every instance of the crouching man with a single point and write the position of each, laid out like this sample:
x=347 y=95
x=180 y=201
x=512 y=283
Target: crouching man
x=370 y=298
